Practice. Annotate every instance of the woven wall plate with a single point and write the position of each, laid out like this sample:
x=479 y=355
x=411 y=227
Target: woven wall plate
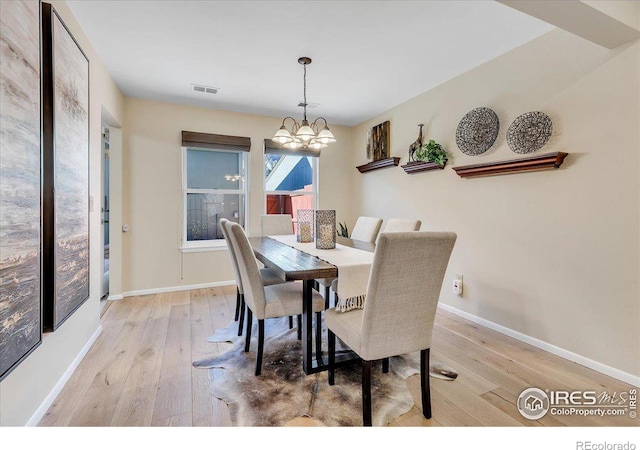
x=529 y=132
x=477 y=131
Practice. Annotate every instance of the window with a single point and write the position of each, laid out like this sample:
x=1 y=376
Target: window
x=290 y=179
x=214 y=187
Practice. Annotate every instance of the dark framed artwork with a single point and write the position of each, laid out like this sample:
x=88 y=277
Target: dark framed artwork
x=65 y=72
x=20 y=181
x=380 y=141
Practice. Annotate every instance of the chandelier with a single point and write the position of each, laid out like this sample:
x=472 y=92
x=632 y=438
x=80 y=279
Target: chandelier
x=304 y=135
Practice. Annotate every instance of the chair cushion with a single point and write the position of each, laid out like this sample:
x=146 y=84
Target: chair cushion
x=346 y=325
x=286 y=300
x=269 y=277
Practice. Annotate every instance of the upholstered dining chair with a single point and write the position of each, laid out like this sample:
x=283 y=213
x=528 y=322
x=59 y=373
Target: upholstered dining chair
x=366 y=229
x=399 y=310
x=266 y=302
x=276 y=224
x=267 y=275
x=392 y=225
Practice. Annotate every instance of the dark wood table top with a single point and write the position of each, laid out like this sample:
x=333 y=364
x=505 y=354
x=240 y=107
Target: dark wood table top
x=361 y=245
x=291 y=264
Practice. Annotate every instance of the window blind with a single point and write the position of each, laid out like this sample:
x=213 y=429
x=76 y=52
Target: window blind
x=215 y=141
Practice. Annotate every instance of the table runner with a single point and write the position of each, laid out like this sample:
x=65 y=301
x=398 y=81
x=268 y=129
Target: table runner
x=353 y=266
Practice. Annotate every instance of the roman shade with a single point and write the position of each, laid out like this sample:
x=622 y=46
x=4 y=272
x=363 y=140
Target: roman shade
x=215 y=141
x=274 y=148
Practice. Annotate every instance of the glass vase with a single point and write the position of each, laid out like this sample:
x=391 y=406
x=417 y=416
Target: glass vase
x=326 y=229
x=305 y=225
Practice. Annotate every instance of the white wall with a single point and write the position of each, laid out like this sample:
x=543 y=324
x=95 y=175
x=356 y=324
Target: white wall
x=552 y=255
x=29 y=385
x=152 y=189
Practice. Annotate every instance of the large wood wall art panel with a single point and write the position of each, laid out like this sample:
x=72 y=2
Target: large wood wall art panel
x=20 y=183
x=66 y=171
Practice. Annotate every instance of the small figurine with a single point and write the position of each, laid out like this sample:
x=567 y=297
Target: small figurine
x=416 y=144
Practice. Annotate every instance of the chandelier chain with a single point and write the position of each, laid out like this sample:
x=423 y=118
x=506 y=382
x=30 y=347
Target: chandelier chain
x=305 y=91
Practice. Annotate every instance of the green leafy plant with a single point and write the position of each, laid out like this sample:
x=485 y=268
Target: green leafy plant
x=343 y=231
x=431 y=151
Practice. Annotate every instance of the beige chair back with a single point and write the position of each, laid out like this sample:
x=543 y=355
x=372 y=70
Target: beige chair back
x=402 y=296
x=232 y=254
x=276 y=224
x=395 y=225
x=366 y=229
x=402 y=225
x=249 y=272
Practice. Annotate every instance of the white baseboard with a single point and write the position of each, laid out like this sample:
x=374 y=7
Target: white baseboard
x=115 y=297
x=48 y=401
x=566 y=354
x=178 y=288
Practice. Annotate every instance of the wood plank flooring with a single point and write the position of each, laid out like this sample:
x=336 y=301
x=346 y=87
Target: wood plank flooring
x=139 y=373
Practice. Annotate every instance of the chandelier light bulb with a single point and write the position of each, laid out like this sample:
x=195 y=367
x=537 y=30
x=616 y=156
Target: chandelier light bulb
x=282 y=136
x=326 y=136
x=294 y=144
x=317 y=145
x=305 y=133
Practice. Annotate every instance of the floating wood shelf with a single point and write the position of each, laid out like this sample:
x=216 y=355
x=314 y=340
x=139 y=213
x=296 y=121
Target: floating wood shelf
x=421 y=166
x=540 y=162
x=379 y=164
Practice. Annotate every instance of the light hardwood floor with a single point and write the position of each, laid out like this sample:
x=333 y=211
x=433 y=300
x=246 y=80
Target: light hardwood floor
x=139 y=373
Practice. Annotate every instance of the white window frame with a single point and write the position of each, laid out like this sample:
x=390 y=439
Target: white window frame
x=315 y=189
x=211 y=244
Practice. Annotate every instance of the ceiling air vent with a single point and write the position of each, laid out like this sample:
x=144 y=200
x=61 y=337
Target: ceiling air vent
x=204 y=89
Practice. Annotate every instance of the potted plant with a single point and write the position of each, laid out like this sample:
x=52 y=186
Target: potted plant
x=431 y=152
x=343 y=231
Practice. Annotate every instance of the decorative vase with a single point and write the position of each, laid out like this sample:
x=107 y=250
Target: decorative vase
x=326 y=229
x=305 y=225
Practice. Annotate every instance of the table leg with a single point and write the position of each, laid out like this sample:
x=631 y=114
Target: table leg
x=307 y=327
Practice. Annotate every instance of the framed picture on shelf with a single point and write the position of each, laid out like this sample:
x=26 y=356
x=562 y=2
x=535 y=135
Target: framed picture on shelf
x=380 y=141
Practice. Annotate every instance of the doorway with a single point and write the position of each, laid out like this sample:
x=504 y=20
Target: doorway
x=104 y=208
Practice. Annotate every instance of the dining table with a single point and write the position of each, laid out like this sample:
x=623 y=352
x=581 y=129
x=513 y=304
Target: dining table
x=292 y=264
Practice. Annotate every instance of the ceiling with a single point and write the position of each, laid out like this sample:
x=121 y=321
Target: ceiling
x=367 y=56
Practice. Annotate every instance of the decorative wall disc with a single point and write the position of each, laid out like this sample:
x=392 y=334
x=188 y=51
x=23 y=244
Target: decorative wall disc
x=529 y=132
x=477 y=131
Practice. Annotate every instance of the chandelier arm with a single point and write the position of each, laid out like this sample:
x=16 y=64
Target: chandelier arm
x=326 y=124
x=295 y=122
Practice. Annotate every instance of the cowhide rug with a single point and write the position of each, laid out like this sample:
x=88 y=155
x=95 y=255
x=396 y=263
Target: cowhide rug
x=283 y=393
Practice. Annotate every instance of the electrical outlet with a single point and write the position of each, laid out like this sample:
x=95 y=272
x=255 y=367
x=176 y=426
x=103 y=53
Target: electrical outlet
x=125 y=228
x=457 y=285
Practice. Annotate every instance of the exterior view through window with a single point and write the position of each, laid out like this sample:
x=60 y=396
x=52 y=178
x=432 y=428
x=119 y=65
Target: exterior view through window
x=214 y=188
x=290 y=183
